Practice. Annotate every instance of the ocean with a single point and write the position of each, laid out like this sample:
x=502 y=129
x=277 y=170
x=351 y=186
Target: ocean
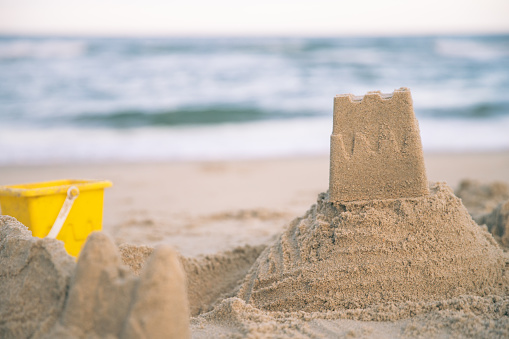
x=84 y=100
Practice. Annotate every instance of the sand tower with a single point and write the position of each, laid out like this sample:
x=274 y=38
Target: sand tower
x=380 y=234
x=376 y=150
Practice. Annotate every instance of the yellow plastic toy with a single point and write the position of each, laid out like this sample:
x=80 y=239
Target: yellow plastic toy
x=68 y=210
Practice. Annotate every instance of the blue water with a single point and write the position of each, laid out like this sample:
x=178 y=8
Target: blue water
x=97 y=99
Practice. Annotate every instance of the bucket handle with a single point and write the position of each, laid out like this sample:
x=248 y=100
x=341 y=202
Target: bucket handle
x=72 y=194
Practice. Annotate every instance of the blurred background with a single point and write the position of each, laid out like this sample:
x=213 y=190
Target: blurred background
x=96 y=81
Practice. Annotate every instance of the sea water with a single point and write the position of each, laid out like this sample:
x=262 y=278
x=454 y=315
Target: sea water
x=170 y=99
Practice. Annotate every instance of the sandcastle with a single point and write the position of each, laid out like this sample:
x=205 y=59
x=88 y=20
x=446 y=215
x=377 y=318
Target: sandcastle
x=376 y=150
x=381 y=234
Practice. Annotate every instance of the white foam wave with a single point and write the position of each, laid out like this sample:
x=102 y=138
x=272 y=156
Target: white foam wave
x=229 y=141
x=457 y=135
x=41 y=49
x=452 y=97
x=469 y=49
x=265 y=139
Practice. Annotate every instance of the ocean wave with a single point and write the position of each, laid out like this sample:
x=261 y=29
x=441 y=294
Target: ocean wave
x=477 y=110
x=114 y=88
x=460 y=135
x=206 y=115
x=21 y=49
x=248 y=140
x=231 y=141
x=214 y=46
x=470 y=49
x=222 y=114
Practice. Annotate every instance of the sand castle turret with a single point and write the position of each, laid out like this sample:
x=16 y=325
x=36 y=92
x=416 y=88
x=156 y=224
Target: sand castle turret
x=376 y=150
x=380 y=234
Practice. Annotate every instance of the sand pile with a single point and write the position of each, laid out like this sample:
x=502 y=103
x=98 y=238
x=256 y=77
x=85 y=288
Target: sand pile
x=45 y=293
x=209 y=279
x=489 y=205
x=379 y=235
x=497 y=222
x=34 y=279
x=130 y=291
x=357 y=254
x=481 y=198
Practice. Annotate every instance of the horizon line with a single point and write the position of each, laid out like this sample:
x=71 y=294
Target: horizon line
x=249 y=35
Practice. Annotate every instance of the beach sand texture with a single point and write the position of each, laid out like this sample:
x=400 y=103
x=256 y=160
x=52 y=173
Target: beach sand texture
x=370 y=240
x=360 y=254
x=45 y=296
x=413 y=265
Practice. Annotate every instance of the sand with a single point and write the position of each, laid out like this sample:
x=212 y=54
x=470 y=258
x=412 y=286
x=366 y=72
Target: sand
x=217 y=240
x=209 y=278
x=45 y=294
x=100 y=297
x=204 y=208
x=34 y=279
x=376 y=150
x=377 y=235
x=482 y=198
x=360 y=254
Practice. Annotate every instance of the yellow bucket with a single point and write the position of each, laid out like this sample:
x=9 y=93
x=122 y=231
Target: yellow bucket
x=68 y=210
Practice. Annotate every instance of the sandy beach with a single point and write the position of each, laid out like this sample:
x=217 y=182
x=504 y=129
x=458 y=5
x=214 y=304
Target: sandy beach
x=308 y=175
x=218 y=217
x=207 y=207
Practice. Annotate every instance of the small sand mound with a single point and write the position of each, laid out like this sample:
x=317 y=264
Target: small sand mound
x=481 y=198
x=214 y=277
x=361 y=253
x=209 y=278
x=44 y=293
x=497 y=222
x=34 y=279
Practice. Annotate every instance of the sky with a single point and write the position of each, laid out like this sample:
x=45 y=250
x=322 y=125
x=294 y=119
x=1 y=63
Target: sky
x=252 y=18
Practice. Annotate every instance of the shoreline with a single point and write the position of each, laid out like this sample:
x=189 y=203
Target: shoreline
x=435 y=162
